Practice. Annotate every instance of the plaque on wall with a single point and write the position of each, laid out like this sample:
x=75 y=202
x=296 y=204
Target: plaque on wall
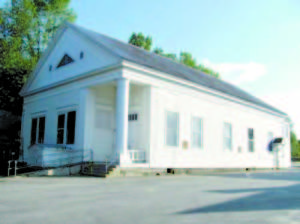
x=185 y=145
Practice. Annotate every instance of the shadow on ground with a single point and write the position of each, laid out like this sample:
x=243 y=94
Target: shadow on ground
x=263 y=199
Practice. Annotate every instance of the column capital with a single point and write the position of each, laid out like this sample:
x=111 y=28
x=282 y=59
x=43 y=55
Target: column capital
x=122 y=79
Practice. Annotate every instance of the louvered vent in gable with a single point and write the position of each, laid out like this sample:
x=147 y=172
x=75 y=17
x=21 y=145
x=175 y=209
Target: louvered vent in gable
x=65 y=60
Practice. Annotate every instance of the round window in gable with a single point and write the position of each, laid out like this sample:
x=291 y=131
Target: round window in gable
x=81 y=55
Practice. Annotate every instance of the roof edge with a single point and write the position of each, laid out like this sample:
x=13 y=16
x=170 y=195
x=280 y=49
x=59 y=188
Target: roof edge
x=133 y=65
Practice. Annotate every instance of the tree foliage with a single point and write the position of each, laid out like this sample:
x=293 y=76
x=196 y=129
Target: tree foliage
x=26 y=27
x=295 y=147
x=11 y=81
x=139 y=40
x=186 y=58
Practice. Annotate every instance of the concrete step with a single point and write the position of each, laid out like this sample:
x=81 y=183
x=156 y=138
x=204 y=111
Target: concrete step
x=96 y=169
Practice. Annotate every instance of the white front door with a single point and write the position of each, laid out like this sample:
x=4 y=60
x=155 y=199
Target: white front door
x=103 y=137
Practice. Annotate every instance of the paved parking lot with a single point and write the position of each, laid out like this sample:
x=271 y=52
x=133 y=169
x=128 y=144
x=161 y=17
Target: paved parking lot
x=272 y=197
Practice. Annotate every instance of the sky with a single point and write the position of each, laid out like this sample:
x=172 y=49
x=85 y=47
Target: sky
x=254 y=44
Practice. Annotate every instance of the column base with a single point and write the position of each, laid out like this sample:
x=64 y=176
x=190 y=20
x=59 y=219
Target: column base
x=125 y=159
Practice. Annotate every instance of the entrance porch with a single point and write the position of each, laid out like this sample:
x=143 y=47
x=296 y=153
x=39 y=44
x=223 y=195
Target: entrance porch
x=117 y=124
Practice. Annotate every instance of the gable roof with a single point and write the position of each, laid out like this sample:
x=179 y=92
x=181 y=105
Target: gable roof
x=154 y=61
x=151 y=60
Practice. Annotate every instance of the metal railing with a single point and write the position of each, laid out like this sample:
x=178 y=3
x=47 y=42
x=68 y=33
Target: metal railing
x=70 y=157
x=137 y=155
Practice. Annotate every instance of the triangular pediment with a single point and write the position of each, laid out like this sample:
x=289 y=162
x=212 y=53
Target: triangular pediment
x=65 y=60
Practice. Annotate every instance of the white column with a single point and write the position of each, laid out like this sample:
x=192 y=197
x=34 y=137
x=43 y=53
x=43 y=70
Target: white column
x=122 y=104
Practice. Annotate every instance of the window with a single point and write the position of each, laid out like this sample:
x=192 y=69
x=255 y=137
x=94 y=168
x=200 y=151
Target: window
x=172 y=125
x=197 y=132
x=66 y=128
x=41 y=133
x=50 y=68
x=71 y=127
x=81 y=55
x=132 y=117
x=37 y=130
x=251 y=139
x=227 y=136
x=60 y=128
x=33 y=131
x=65 y=60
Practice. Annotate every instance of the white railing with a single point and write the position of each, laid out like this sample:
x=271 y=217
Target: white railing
x=10 y=168
x=60 y=158
x=137 y=155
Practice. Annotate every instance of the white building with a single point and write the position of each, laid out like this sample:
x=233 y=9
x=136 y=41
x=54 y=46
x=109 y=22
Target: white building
x=126 y=105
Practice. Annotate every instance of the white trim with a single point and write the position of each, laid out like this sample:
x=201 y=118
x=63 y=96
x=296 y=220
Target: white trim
x=39 y=113
x=171 y=78
x=67 y=108
x=84 y=75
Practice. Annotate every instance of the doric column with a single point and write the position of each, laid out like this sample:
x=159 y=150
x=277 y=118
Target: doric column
x=122 y=104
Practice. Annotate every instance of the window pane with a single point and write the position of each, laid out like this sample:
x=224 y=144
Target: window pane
x=199 y=137
x=60 y=129
x=41 y=129
x=251 y=146
x=195 y=140
x=197 y=132
x=33 y=131
x=61 y=121
x=71 y=127
x=251 y=139
x=172 y=129
x=60 y=136
x=250 y=133
x=227 y=136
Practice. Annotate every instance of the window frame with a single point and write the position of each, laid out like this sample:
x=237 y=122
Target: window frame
x=251 y=140
x=197 y=132
x=225 y=137
x=37 y=129
x=66 y=112
x=166 y=128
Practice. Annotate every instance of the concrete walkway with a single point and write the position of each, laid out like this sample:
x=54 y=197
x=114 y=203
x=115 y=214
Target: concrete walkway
x=272 y=197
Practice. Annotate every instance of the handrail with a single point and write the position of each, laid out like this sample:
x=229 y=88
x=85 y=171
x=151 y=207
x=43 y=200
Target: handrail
x=137 y=155
x=71 y=158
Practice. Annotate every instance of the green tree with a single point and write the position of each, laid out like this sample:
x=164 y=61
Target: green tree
x=11 y=83
x=140 y=40
x=27 y=26
x=294 y=145
x=185 y=58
